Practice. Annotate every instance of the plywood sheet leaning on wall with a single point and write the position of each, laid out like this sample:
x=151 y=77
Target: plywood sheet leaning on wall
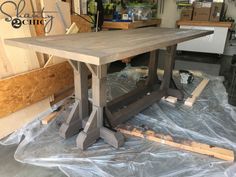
x=20 y=91
x=5 y=65
x=19 y=60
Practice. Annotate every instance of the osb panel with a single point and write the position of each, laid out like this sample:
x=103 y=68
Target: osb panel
x=82 y=24
x=20 y=91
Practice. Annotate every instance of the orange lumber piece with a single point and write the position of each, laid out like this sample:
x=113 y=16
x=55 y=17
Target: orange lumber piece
x=192 y=146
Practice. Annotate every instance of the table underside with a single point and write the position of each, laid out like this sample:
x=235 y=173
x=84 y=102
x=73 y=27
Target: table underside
x=94 y=124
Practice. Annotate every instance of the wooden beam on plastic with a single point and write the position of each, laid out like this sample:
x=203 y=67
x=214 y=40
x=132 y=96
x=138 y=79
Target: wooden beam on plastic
x=196 y=93
x=46 y=120
x=192 y=146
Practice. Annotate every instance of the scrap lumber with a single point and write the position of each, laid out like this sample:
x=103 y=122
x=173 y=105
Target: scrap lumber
x=15 y=121
x=20 y=91
x=196 y=93
x=46 y=120
x=192 y=146
x=170 y=99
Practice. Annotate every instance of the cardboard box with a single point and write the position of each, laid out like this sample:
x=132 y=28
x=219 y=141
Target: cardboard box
x=202 y=11
x=187 y=13
x=216 y=11
x=201 y=14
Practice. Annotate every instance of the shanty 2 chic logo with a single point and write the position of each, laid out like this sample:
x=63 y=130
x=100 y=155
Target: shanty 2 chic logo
x=17 y=18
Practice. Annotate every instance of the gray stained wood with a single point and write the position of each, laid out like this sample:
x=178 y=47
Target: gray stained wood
x=107 y=46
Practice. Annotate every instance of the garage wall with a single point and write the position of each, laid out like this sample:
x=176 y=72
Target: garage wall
x=172 y=14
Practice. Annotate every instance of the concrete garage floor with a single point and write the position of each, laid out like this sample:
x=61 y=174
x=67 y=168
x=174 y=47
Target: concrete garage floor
x=10 y=168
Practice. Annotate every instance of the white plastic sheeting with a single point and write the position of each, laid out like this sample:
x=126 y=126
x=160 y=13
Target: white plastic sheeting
x=210 y=121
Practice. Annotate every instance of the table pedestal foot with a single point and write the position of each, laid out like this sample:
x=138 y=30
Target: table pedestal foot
x=84 y=140
x=115 y=139
x=93 y=130
x=73 y=123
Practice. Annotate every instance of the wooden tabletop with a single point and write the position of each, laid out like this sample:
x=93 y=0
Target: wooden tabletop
x=107 y=46
x=131 y=25
x=205 y=23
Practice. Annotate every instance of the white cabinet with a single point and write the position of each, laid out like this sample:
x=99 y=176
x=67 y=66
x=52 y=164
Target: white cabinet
x=214 y=43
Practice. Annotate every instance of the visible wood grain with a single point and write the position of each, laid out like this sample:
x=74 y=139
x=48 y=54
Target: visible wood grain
x=205 y=23
x=16 y=60
x=192 y=146
x=108 y=46
x=82 y=24
x=196 y=93
x=131 y=25
x=20 y=91
x=5 y=65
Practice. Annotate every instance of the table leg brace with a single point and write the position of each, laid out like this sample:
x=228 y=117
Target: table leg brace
x=167 y=78
x=79 y=111
x=94 y=126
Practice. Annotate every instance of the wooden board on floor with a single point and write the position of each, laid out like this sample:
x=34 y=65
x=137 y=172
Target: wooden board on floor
x=108 y=46
x=19 y=60
x=196 y=93
x=192 y=146
x=15 y=121
x=22 y=90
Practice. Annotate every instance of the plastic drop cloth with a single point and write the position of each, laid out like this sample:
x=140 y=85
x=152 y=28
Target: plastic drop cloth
x=212 y=120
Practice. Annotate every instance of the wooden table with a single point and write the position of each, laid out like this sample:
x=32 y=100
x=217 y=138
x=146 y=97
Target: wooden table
x=131 y=25
x=91 y=52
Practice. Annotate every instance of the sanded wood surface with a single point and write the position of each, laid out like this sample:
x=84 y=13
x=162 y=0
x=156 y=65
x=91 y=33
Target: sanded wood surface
x=131 y=25
x=192 y=146
x=108 y=46
x=205 y=23
x=20 y=91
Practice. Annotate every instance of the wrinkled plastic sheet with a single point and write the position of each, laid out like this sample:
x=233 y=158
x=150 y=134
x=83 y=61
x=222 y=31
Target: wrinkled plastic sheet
x=211 y=120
